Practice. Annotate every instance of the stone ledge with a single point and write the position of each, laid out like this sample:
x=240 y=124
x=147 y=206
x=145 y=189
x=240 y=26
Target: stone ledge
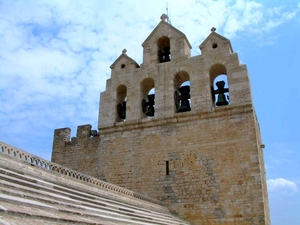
x=178 y=118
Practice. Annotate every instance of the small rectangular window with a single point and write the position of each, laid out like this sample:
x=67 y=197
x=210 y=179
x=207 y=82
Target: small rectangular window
x=167 y=167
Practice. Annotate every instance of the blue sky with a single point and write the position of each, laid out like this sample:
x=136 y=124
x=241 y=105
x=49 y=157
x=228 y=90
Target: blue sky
x=55 y=58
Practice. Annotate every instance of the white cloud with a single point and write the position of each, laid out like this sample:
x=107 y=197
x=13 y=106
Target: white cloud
x=244 y=17
x=55 y=55
x=282 y=186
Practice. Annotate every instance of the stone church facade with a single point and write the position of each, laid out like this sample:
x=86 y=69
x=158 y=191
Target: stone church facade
x=179 y=129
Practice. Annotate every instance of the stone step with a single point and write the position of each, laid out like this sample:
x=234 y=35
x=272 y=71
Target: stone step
x=43 y=196
x=60 y=189
x=65 y=193
x=128 y=210
x=25 y=163
x=80 y=187
x=35 y=202
x=26 y=214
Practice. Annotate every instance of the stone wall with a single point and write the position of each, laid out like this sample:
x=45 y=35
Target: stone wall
x=206 y=164
x=214 y=160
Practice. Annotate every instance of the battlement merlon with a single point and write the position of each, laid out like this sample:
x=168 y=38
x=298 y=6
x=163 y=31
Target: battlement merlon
x=84 y=131
x=63 y=135
x=62 y=138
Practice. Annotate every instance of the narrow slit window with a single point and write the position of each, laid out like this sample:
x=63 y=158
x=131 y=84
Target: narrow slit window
x=167 y=168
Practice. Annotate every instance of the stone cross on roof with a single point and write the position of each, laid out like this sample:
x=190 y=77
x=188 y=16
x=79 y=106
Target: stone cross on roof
x=164 y=17
x=124 y=51
x=213 y=29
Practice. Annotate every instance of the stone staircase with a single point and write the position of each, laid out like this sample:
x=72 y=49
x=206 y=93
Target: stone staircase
x=35 y=191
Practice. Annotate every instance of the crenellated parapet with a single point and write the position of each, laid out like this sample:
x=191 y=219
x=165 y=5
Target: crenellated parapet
x=72 y=152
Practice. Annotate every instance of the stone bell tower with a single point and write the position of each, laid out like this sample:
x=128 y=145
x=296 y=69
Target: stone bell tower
x=180 y=129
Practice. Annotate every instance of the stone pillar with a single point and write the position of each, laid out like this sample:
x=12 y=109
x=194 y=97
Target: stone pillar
x=61 y=136
x=83 y=132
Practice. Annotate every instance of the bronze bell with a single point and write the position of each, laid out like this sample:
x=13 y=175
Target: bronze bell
x=221 y=90
x=150 y=111
x=184 y=106
x=121 y=109
x=184 y=97
x=221 y=100
x=148 y=107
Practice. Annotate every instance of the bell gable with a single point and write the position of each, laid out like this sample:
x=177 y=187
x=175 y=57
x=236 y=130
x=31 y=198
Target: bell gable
x=215 y=43
x=124 y=61
x=165 y=43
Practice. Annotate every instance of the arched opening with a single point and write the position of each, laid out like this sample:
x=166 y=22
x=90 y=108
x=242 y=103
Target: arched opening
x=182 y=96
x=121 y=103
x=164 y=49
x=148 y=97
x=219 y=85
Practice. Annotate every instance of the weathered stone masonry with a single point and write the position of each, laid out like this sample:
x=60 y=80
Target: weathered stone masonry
x=206 y=163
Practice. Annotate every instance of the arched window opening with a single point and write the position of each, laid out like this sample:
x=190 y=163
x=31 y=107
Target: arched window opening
x=164 y=50
x=219 y=85
x=149 y=107
x=148 y=96
x=182 y=97
x=121 y=103
x=221 y=91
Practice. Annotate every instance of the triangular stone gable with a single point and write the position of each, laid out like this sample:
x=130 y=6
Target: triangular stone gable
x=124 y=59
x=162 y=26
x=214 y=41
x=165 y=43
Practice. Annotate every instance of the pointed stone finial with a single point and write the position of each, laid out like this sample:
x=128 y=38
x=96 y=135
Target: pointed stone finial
x=124 y=51
x=164 y=17
x=213 y=29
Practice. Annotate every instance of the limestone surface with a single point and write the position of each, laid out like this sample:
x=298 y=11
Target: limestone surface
x=196 y=148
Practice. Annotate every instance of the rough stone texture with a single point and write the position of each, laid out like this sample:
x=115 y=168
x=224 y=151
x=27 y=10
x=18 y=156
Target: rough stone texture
x=206 y=164
x=35 y=191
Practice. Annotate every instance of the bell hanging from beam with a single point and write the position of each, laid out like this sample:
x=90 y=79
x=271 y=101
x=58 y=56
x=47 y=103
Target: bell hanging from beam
x=148 y=107
x=184 y=97
x=220 y=91
x=221 y=100
x=184 y=106
x=121 y=109
x=150 y=110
